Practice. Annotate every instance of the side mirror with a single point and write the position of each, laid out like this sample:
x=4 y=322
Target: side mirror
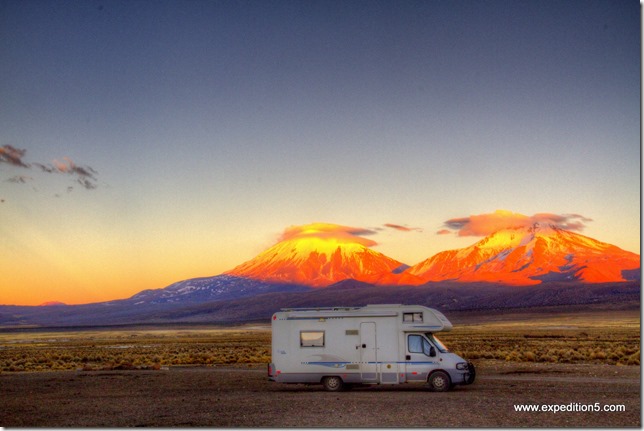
x=432 y=351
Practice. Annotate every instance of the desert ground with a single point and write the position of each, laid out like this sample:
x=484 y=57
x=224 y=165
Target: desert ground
x=216 y=376
x=243 y=397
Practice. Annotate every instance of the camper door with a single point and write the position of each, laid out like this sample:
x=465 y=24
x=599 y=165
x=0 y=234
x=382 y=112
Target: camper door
x=418 y=359
x=368 y=352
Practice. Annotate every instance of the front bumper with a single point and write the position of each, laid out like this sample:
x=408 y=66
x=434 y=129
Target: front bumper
x=463 y=377
x=470 y=375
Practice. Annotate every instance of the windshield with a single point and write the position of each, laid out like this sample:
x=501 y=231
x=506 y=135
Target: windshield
x=438 y=343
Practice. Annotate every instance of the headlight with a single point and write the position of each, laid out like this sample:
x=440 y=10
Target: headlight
x=461 y=366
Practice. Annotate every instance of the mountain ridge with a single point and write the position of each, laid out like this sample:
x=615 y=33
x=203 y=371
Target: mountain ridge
x=521 y=255
x=324 y=264
x=528 y=256
x=447 y=297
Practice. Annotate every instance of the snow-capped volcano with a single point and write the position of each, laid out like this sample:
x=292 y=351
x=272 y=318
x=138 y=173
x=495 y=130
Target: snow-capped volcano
x=528 y=255
x=318 y=255
x=321 y=254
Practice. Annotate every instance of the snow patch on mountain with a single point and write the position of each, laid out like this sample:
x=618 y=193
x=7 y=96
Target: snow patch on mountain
x=528 y=255
x=318 y=262
x=206 y=289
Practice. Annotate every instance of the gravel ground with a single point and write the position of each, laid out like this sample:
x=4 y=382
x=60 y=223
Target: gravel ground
x=243 y=397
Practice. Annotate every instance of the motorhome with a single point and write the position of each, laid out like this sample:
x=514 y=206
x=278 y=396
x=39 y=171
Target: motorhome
x=340 y=347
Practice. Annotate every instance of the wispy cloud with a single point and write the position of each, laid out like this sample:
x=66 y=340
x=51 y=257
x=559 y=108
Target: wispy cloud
x=85 y=175
x=82 y=174
x=403 y=228
x=19 y=179
x=12 y=156
x=50 y=169
x=486 y=224
x=330 y=231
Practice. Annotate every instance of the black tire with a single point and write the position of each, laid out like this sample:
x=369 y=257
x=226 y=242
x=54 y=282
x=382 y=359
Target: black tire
x=333 y=383
x=439 y=381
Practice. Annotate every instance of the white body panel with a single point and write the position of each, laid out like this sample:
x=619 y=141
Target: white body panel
x=360 y=345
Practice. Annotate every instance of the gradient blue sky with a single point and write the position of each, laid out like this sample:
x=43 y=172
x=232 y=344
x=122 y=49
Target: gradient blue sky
x=214 y=125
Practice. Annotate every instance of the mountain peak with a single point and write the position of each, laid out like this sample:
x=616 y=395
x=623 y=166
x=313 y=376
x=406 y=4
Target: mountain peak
x=529 y=255
x=51 y=304
x=318 y=255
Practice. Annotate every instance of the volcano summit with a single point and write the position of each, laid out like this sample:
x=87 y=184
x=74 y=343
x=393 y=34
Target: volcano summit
x=529 y=255
x=570 y=269
x=318 y=255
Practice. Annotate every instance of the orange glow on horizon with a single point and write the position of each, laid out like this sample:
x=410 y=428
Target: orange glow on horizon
x=318 y=254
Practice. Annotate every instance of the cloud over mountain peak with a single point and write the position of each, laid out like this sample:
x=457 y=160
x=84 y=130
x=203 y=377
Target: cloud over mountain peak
x=487 y=224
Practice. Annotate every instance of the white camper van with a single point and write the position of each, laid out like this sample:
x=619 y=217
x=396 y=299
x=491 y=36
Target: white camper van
x=376 y=344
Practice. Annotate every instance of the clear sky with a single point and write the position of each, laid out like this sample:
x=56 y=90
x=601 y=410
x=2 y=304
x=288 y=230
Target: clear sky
x=146 y=142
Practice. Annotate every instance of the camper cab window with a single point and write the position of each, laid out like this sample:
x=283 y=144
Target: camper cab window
x=311 y=338
x=412 y=317
x=418 y=344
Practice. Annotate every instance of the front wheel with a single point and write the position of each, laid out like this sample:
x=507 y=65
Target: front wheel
x=333 y=383
x=439 y=381
x=471 y=376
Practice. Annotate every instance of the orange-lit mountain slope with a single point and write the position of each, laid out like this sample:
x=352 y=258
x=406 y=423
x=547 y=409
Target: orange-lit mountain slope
x=319 y=255
x=527 y=255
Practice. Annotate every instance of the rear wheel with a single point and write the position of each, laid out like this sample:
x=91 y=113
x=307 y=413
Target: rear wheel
x=439 y=381
x=332 y=383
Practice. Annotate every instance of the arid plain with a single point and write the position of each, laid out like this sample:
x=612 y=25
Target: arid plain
x=216 y=376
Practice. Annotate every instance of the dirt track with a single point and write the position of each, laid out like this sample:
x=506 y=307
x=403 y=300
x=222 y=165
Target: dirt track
x=242 y=397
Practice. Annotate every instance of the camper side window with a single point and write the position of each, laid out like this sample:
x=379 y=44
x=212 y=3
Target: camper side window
x=412 y=317
x=311 y=338
x=417 y=344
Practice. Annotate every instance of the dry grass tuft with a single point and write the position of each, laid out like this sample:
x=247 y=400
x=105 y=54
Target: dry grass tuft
x=153 y=349
x=132 y=350
x=594 y=345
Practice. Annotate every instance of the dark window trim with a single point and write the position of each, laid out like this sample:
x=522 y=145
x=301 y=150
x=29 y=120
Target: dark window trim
x=416 y=317
x=312 y=331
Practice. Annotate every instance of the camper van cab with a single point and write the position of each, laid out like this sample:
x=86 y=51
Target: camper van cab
x=339 y=347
